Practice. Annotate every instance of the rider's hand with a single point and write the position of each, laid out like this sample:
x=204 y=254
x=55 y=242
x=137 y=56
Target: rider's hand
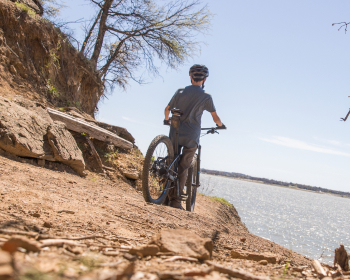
x=166 y=122
x=221 y=127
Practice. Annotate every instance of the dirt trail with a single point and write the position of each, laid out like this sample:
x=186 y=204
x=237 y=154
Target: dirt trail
x=37 y=63
x=73 y=206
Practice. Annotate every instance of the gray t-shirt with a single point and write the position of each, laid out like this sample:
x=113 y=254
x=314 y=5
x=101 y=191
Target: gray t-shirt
x=192 y=101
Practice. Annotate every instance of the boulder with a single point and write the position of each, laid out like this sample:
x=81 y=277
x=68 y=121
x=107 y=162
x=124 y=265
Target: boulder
x=27 y=130
x=183 y=243
x=239 y=254
x=65 y=148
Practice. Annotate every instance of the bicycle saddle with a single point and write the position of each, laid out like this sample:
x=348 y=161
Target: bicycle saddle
x=177 y=112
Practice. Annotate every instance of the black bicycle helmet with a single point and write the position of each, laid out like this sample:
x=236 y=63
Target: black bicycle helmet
x=199 y=72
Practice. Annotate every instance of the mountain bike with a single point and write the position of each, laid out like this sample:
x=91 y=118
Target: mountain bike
x=159 y=174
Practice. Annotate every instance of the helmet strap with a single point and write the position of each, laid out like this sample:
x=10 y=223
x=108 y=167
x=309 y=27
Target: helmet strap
x=203 y=85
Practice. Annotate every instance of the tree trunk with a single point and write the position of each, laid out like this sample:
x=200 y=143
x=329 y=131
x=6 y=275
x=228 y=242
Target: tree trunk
x=101 y=32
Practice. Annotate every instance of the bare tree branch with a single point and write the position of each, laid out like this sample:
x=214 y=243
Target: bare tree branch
x=342 y=25
x=127 y=34
x=90 y=33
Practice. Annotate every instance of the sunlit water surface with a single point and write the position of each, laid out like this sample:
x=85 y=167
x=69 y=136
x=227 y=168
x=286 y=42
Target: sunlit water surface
x=309 y=223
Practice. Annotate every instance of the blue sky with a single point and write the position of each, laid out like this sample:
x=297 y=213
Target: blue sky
x=279 y=77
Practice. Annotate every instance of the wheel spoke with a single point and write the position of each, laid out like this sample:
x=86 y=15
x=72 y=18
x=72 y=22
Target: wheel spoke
x=154 y=180
x=157 y=183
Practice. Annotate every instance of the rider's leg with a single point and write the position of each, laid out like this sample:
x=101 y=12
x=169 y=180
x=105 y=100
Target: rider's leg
x=184 y=164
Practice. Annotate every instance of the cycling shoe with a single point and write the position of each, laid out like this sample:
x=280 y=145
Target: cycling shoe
x=176 y=204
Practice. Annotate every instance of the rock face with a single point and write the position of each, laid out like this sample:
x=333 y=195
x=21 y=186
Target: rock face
x=184 y=243
x=27 y=130
x=238 y=254
x=32 y=44
x=22 y=131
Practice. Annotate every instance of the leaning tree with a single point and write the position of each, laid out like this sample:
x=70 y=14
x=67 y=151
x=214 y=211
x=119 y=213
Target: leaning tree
x=126 y=35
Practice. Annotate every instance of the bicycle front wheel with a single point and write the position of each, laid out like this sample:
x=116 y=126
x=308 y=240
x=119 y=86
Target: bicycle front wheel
x=155 y=185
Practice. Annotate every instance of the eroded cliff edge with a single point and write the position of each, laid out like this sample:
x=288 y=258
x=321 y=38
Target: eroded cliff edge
x=38 y=62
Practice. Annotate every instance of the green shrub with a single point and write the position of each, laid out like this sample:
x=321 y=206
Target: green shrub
x=221 y=200
x=51 y=89
x=90 y=262
x=111 y=155
x=25 y=8
x=34 y=274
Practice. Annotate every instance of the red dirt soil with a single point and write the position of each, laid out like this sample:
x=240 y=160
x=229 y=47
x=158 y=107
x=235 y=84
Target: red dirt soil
x=31 y=196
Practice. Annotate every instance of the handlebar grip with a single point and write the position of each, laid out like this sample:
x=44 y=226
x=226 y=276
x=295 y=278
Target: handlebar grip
x=166 y=122
x=221 y=127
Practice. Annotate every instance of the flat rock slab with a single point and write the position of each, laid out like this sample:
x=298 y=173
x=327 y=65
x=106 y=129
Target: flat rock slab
x=183 y=243
x=239 y=254
x=120 y=131
x=82 y=126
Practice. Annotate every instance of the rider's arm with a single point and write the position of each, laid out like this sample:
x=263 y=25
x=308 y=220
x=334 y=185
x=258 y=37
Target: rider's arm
x=167 y=112
x=216 y=118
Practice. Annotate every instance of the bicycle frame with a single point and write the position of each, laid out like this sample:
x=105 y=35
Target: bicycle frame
x=175 y=123
x=170 y=177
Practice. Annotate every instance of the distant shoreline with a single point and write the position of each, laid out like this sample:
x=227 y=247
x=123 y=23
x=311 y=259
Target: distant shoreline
x=243 y=177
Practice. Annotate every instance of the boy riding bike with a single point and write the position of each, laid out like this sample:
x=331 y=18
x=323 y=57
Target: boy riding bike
x=192 y=101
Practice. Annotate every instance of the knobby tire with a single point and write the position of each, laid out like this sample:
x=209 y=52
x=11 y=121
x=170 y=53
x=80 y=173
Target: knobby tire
x=147 y=165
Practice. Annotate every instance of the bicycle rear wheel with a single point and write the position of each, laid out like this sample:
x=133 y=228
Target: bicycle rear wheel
x=191 y=185
x=155 y=186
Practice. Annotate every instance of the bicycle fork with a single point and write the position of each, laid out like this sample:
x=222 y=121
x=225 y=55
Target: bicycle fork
x=198 y=165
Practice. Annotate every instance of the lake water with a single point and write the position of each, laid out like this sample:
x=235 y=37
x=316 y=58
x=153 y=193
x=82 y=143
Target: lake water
x=309 y=223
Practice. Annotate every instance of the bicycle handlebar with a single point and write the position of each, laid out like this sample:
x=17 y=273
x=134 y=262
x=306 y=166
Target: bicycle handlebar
x=215 y=128
x=210 y=129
